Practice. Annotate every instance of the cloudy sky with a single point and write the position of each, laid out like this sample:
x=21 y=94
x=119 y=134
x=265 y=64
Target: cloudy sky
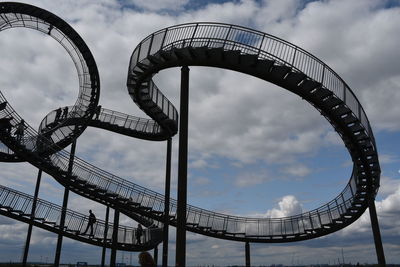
x=254 y=149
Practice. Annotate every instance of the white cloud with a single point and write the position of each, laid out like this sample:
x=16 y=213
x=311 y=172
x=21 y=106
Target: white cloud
x=297 y=170
x=233 y=116
x=249 y=179
x=288 y=206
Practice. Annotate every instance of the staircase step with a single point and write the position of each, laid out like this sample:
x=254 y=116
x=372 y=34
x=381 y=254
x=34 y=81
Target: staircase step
x=232 y=57
x=200 y=52
x=294 y=78
x=215 y=54
x=332 y=102
x=356 y=128
x=264 y=65
x=183 y=53
x=308 y=85
x=248 y=60
x=340 y=111
x=321 y=93
x=235 y=234
x=167 y=55
x=142 y=66
x=207 y=228
x=154 y=59
x=279 y=71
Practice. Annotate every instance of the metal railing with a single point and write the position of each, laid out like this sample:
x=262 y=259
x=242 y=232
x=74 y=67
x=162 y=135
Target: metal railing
x=210 y=35
x=248 y=41
x=217 y=222
x=49 y=214
x=16 y=15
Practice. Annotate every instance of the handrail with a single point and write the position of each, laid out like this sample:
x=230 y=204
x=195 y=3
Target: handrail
x=76 y=222
x=104 y=180
x=44 y=150
x=258 y=43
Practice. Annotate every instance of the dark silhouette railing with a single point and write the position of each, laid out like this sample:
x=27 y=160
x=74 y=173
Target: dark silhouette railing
x=116 y=118
x=44 y=149
x=15 y=15
x=200 y=218
x=49 y=214
x=248 y=41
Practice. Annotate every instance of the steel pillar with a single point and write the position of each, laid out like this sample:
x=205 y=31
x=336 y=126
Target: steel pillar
x=28 y=236
x=64 y=207
x=114 y=239
x=180 y=259
x=166 y=204
x=377 y=234
x=155 y=255
x=247 y=249
x=103 y=254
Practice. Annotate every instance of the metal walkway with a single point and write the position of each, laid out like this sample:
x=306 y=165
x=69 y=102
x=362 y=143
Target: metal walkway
x=18 y=205
x=215 y=45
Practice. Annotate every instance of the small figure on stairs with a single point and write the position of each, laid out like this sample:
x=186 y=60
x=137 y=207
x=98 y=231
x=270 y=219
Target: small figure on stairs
x=6 y=124
x=139 y=233
x=92 y=220
x=97 y=112
x=19 y=133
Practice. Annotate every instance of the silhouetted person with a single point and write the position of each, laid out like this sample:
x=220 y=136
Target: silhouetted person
x=19 y=133
x=3 y=105
x=58 y=115
x=146 y=260
x=97 y=113
x=92 y=220
x=6 y=124
x=139 y=233
x=50 y=28
x=65 y=113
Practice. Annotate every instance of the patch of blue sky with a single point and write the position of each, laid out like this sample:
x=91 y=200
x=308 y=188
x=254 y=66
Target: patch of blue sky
x=388 y=149
x=226 y=187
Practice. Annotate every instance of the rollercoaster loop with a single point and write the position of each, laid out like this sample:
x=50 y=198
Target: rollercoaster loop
x=214 y=45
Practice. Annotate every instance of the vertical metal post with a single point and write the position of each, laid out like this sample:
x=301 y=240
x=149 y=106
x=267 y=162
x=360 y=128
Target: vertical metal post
x=155 y=255
x=114 y=239
x=28 y=236
x=377 y=234
x=247 y=249
x=180 y=259
x=64 y=207
x=103 y=254
x=166 y=204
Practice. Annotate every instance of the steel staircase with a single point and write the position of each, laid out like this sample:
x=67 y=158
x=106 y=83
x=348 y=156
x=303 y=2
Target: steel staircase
x=18 y=205
x=196 y=44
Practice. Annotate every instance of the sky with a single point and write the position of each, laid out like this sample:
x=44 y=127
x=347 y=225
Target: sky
x=255 y=149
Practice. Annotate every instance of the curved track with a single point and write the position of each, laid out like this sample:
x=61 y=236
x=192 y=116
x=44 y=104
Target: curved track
x=18 y=206
x=229 y=47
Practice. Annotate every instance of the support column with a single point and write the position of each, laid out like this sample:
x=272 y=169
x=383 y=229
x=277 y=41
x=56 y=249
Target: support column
x=64 y=207
x=28 y=236
x=377 y=234
x=180 y=259
x=155 y=255
x=103 y=254
x=247 y=249
x=166 y=204
x=114 y=239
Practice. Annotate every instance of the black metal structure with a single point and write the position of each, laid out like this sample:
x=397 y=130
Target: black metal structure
x=196 y=44
x=47 y=216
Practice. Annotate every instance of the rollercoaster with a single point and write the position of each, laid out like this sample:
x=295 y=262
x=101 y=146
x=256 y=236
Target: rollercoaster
x=194 y=44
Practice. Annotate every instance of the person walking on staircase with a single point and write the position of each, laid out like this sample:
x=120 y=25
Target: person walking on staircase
x=92 y=220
